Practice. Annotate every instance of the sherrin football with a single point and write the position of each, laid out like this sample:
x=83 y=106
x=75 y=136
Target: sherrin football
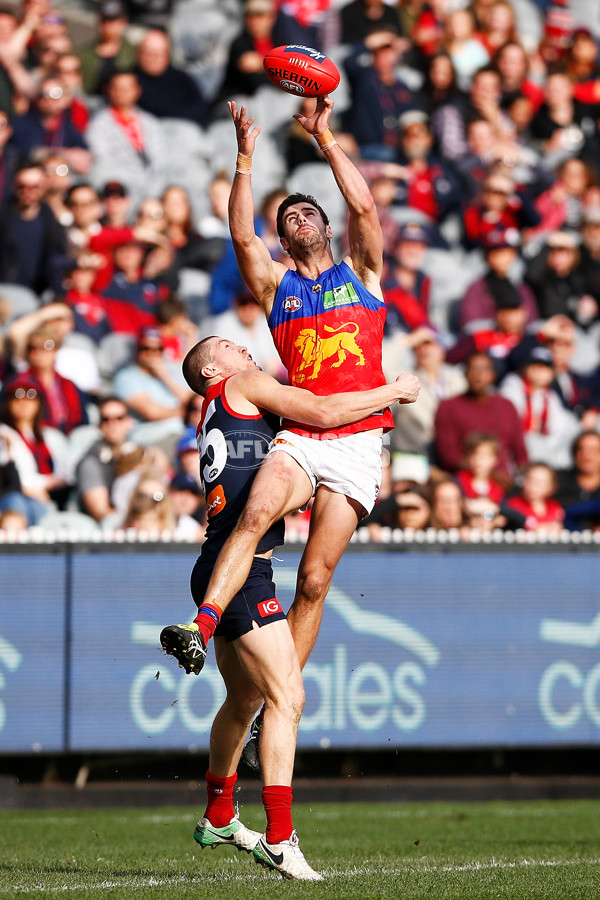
x=301 y=70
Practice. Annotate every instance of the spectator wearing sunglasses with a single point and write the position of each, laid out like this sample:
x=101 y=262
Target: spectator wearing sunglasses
x=154 y=392
x=32 y=243
x=98 y=469
x=63 y=404
x=39 y=454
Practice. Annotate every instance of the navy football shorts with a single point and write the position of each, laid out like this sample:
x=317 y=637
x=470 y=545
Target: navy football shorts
x=256 y=602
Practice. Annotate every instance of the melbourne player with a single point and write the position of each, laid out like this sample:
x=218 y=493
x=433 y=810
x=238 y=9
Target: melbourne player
x=240 y=417
x=327 y=322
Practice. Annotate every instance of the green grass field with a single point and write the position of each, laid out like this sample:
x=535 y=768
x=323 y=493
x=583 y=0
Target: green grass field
x=461 y=851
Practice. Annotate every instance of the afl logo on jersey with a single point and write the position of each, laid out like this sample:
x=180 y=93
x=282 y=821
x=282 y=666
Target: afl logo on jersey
x=291 y=304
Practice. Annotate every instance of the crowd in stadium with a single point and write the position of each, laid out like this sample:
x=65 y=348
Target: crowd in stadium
x=477 y=127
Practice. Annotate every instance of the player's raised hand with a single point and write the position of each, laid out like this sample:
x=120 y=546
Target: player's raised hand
x=408 y=387
x=245 y=133
x=318 y=122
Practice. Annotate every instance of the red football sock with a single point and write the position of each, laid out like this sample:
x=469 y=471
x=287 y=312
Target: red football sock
x=219 y=809
x=209 y=616
x=277 y=801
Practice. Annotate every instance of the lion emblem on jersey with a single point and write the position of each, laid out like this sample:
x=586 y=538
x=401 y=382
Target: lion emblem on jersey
x=315 y=350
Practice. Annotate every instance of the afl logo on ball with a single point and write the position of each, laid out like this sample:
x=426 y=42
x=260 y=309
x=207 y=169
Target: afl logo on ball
x=291 y=304
x=292 y=87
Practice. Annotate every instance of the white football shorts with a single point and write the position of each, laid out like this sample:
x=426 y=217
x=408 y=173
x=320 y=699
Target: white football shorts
x=349 y=465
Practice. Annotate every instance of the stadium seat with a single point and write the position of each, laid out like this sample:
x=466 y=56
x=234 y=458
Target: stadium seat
x=114 y=351
x=81 y=439
x=314 y=178
x=22 y=300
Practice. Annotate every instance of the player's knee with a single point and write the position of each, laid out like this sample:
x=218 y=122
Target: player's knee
x=313 y=585
x=243 y=707
x=256 y=518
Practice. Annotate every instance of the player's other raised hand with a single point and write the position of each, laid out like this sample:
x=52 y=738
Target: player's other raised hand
x=245 y=133
x=408 y=387
x=318 y=122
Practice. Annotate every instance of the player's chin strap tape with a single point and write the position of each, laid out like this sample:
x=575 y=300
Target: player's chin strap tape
x=325 y=140
x=243 y=165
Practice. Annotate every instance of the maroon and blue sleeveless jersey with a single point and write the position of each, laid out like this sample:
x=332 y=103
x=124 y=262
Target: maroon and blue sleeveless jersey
x=231 y=448
x=328 y=334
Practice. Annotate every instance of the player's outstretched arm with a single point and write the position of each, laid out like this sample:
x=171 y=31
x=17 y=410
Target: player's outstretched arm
x=258 y=270
x=263 y=391
x=364 y=231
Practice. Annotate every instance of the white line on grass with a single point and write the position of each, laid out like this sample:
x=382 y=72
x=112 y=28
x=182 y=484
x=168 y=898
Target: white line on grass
x=416 y=866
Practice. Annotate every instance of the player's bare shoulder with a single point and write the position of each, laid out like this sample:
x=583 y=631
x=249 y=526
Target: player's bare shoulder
x=370 y=279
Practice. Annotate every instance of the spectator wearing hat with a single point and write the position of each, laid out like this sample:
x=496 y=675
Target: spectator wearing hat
x=379 y=96
x=558 y=282
x=166 y=92
x=406 y=288
x=501 y=337
x=110 y=52
x=188 y=506
x=548 y=427
x=39 y=452
x=481 y=300
x=131 y=297
x=74 y=362
x=186 y=452
x=154 y=392
x=127 y=142
x=89 y=307
x=558 y=27
x=498 y=207
x=117 y=205
x=424 y=182
x=88 y=233
x=480 y=408
x=415 y=424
